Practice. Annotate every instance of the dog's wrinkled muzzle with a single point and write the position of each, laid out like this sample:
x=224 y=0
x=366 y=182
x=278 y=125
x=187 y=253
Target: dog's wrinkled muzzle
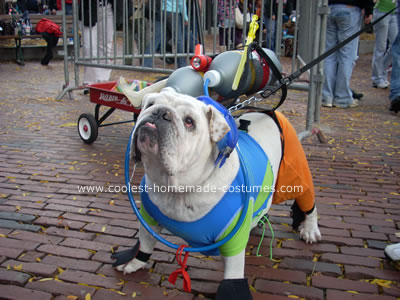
x=150 y=131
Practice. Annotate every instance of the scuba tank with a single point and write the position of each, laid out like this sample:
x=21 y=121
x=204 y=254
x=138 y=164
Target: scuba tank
x=185 y=80
x=257 y=75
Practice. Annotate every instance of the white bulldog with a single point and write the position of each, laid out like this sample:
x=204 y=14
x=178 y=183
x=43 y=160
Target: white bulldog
x=176 y=138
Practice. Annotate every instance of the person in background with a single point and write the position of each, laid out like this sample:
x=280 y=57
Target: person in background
x=343 y=21
x=170 y=16
x=98 y=35
x=55 y=5
x=50 y=32
x=270 y=10
x=229 y=37
x=385 y=33
x=31 y=6
x=395 y=77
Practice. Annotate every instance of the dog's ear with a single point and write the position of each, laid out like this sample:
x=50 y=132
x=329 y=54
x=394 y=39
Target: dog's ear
x=216 y=123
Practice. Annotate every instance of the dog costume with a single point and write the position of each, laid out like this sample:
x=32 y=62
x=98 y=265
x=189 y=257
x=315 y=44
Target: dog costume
x=221 y=220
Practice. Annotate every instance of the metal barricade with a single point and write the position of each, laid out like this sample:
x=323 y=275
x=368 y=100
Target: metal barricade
x=160 y=36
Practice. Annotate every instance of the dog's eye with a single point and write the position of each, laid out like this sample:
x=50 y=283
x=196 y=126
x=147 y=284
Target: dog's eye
x=189 y=123
x=149 y=105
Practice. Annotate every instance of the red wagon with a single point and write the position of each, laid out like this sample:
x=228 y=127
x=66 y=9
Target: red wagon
x=105 y=94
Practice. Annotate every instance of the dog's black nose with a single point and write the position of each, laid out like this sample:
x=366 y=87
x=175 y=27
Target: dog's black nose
x=163 y=112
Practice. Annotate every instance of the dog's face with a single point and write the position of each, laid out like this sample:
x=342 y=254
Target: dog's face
x=175 y=138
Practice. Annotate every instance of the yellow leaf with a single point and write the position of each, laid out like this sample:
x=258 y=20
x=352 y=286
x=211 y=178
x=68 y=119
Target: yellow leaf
x=111 y=202
x=18 y=268
x=121 y=293
x=252 y=288
x=293 y=296
x=18 y=207
x=92 y=251
x=103 y=229
x=60 y=270
x=134 y=294
x=71 y=124
x=352 y=292
x=8 y=267
x=88 y=297
x=144 y=283
x=2 y=235
x=71 y=297
x=74 y=198
x=382 y=283
x=3 y=195
x=46 y=279
x=38 y=259
x=31 y=279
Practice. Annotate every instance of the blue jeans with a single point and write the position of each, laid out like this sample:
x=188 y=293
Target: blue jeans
x=270 y=35
x=160 y=35
x=395 y=78
x=343 y=22
x=385 y=31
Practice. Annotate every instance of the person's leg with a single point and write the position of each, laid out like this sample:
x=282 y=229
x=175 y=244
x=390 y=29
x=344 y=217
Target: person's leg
x=89 y=49
x=349 y=22
x=395 y=78
x=45 y=60
x=105 y=40
x=154 y=42
x=68 y=9
x=181 y=61
x=330 y=65
x=393 y=30
x=381 y=35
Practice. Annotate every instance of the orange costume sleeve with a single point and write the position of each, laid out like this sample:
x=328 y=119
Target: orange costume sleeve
x=294 y=178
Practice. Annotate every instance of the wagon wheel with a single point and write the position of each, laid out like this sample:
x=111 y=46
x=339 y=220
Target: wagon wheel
x=87 y=128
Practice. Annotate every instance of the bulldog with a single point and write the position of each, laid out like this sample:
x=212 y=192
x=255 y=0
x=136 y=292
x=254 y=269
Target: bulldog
x=189 y=191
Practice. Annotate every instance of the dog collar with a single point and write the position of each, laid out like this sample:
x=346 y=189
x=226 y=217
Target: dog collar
x=228 y=143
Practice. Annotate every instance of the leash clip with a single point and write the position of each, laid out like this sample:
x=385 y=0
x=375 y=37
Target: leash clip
x=182 y=270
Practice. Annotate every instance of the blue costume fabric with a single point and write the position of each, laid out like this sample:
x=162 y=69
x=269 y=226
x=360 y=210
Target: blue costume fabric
x=221 y=220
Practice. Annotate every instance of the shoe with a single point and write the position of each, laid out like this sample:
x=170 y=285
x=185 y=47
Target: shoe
x=355 y=103
x=357 y=95
x=327 y=104
x=393 y=251
x=395 y=105
x=381 y=85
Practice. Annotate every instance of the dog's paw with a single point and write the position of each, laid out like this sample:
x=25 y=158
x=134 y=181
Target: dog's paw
x=309 y=231
x=131 y=266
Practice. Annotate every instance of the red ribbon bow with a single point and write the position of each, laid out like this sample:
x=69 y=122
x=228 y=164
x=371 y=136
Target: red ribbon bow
x=182 y=270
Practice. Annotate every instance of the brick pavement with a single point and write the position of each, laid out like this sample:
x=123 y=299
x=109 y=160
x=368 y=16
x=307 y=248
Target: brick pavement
x=55 y=243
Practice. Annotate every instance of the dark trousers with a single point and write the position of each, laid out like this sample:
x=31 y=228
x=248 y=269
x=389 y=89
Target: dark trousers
x=52 y=41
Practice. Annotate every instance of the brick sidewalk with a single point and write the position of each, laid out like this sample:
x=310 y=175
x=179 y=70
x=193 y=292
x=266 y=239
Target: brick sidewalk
x=56 y=242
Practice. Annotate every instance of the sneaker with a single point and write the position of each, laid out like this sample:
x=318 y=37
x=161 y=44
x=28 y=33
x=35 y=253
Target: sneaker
x=395 y=105
x=393 y=251
x=355 y=103
x=381 y=85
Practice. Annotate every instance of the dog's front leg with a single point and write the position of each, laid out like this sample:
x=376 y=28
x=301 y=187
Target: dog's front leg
x=145 y=249
x=234 y=286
